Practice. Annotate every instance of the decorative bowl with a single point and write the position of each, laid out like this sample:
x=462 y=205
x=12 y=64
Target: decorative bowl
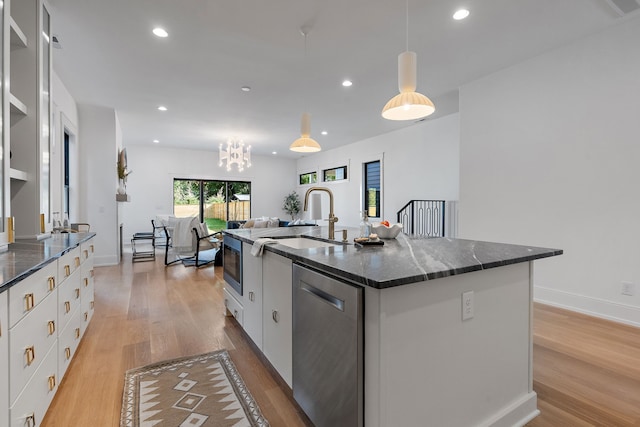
x=385 y=232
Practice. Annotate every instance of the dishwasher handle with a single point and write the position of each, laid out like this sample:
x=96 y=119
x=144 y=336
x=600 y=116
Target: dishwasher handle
x=324 y=296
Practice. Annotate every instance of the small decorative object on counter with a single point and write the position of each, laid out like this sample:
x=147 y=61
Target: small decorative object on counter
x=387 y=231
x=365 y=227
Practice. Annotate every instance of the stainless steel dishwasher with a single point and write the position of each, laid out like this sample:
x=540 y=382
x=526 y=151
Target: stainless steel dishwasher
x=328 y=339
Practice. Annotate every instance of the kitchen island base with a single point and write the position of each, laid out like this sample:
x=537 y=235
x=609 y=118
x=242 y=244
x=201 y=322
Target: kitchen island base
x=424 y=365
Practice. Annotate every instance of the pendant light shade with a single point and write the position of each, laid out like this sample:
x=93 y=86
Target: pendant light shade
x=409 y=104
x=305 y=144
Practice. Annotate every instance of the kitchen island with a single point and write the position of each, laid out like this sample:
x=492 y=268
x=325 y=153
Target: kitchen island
x=447 y=324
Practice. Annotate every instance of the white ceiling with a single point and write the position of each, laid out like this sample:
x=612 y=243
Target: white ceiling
x=109 y=57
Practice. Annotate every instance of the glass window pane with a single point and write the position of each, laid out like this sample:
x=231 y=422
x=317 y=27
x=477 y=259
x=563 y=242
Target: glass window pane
x=372 y=188
x=308 y=178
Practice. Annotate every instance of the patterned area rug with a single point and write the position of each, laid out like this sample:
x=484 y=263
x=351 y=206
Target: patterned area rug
x=204 y=390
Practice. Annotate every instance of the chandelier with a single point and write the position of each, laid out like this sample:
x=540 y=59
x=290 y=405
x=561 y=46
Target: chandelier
x=235 y=153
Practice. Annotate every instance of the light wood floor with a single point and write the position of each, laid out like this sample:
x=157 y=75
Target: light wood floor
x=586 y=370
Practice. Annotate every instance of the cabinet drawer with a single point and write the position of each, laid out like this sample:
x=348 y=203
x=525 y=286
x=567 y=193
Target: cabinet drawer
x=68 y=342
x=27 y=294
x=69 y=297
x=86 y=250
x=234 y=308
x=86 y=303
x=69 y=263
x=30 y=339
x=86 y=271
x=37 y=395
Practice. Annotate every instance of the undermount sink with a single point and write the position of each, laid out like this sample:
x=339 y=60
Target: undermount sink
x=304 y=243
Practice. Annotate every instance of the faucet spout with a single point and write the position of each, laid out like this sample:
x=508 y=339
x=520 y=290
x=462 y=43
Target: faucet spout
x=332 y=218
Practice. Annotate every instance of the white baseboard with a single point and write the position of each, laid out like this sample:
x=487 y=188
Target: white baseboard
x=596 y=307
x=105 y=260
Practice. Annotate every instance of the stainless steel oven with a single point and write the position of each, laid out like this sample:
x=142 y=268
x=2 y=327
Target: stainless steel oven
x=232 y=263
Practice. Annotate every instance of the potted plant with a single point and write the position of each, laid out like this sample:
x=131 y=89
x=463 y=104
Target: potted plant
x=292 y=204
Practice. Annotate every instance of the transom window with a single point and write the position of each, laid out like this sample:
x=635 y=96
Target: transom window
x=335 y=174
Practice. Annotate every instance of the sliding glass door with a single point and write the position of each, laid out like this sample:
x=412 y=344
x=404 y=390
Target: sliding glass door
x=213 y=202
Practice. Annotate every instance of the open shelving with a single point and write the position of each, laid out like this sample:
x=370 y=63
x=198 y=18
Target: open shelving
x=18 y=39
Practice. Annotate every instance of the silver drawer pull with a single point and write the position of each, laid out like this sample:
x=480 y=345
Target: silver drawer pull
x=252 y=296
x=235 y=313
x=275 y=315
x=30 y=420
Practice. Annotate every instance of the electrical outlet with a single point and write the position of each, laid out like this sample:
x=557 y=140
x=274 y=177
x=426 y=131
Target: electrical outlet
x=628 y=288
x=467 y=305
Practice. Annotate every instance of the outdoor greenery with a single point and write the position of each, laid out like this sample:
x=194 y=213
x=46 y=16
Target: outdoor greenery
x=291 y=204
x=187 y=192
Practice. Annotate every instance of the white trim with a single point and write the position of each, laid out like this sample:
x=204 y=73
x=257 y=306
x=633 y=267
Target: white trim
x=617 y=312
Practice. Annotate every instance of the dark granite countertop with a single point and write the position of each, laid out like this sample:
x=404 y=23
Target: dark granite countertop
x=399 y=261
x=27 y=256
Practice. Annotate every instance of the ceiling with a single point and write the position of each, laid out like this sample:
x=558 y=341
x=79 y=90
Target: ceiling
x=110 y=57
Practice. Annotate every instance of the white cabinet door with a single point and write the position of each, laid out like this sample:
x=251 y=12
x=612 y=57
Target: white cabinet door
x=31 y=338
x=277 y=313
x=4 y=359
x=252 y=295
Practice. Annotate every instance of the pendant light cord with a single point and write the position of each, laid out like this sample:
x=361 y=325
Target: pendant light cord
x=407 y=40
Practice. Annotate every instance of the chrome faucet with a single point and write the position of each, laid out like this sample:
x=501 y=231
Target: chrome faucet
x=332 y=218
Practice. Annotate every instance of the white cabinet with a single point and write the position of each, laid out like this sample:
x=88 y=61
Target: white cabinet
x=233 y=306
x=29 y=408
x=252 y=295
x=42 y=320
x=31 y=339
x=29 y=136
x=4 y=358
x=277 y=313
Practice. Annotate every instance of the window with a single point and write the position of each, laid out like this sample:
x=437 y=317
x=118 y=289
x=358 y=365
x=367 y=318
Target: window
x=372 y=188
x=308 y=178
x=335 y=174
x=214 y=202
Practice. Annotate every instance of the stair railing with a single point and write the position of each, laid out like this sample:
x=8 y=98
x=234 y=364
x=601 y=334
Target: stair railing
x=425 y=218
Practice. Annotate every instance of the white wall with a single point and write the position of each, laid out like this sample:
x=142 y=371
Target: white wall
x=99 y=139
x=549 y=157
x=419 y=162
x=65 y=114
x=154 y=168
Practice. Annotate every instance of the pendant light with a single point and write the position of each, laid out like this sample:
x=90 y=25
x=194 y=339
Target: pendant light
x=305 y=144
x=409 y=104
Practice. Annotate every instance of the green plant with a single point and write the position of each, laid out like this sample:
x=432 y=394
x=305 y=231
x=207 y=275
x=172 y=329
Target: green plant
x=291 y=204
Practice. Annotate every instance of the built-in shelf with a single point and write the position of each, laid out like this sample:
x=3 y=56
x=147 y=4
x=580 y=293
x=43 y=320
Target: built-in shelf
x=123 y=198
x=18 y=39
x=18 y=108
x=18 y=175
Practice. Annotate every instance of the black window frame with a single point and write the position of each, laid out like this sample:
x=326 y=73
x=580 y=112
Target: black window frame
x=314 y=181
x=366 y=196
x=324 y=174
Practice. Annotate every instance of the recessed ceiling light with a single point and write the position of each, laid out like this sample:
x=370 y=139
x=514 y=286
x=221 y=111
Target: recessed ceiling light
x=155 y=141
x=324 y=132
x=347 y=83
x=160 y=32
x=246 y=88
x=274 y=152
x=460 y=14
x=162 y=108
